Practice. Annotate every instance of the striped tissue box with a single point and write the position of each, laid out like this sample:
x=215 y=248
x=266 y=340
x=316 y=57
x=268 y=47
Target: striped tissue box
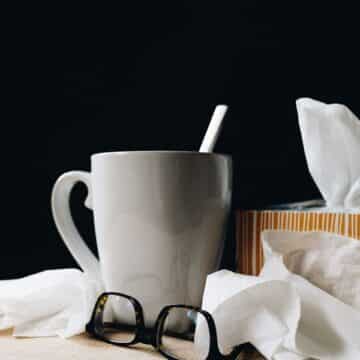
x=250 y=223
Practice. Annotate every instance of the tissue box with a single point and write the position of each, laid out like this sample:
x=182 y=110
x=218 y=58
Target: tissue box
x=250 y=223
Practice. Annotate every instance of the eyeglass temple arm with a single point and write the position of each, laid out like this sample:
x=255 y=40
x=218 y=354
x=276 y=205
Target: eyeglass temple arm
x=237 y=351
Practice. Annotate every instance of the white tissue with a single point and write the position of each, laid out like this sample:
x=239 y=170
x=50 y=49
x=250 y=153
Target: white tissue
x=281 y=313
x=331 y=137
x=329 y=261
x=50 y=303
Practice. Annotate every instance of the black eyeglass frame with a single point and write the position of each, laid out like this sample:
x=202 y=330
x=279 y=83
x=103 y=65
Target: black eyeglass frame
x=153 y=335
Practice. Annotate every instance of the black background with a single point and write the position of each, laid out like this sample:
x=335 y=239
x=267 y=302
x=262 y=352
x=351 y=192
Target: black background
x=147 y=75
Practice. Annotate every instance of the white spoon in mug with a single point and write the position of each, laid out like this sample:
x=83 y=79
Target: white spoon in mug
x=213 y=130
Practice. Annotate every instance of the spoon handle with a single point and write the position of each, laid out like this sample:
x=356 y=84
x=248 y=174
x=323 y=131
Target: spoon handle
x=213 y=130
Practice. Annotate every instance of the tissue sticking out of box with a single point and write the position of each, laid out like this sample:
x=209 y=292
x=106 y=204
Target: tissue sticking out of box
x=331 y=138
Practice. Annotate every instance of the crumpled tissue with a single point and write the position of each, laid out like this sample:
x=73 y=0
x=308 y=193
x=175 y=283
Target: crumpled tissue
x=331 y=137
x=291 y=311
x=49 y=303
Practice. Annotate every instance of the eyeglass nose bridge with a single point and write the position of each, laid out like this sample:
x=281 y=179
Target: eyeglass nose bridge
x=147 y=336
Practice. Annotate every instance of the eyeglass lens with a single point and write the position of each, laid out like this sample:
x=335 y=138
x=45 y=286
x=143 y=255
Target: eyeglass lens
x=115 y=319
x=185 y=334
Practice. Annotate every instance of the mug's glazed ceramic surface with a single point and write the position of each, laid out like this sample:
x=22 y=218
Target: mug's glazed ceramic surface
x=159 y=219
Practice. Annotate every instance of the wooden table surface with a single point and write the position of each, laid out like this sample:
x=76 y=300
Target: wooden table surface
x=80 y=347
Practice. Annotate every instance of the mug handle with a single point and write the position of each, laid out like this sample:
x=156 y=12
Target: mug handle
x=60 y=205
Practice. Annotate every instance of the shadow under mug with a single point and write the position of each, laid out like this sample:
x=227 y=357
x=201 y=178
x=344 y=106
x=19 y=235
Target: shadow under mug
x=160 y=220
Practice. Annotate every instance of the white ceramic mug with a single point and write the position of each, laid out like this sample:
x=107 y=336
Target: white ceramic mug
x=159 y=220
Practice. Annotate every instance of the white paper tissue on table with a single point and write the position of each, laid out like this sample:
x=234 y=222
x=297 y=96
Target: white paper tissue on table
x=50 y=303
x=329 y=261
x=331 y=137
x=283 y=314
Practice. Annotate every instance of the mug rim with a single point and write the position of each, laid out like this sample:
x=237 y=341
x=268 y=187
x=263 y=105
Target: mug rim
x=163 y=152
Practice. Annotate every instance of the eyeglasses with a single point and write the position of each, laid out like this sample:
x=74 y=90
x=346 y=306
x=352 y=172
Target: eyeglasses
x=180 y=332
